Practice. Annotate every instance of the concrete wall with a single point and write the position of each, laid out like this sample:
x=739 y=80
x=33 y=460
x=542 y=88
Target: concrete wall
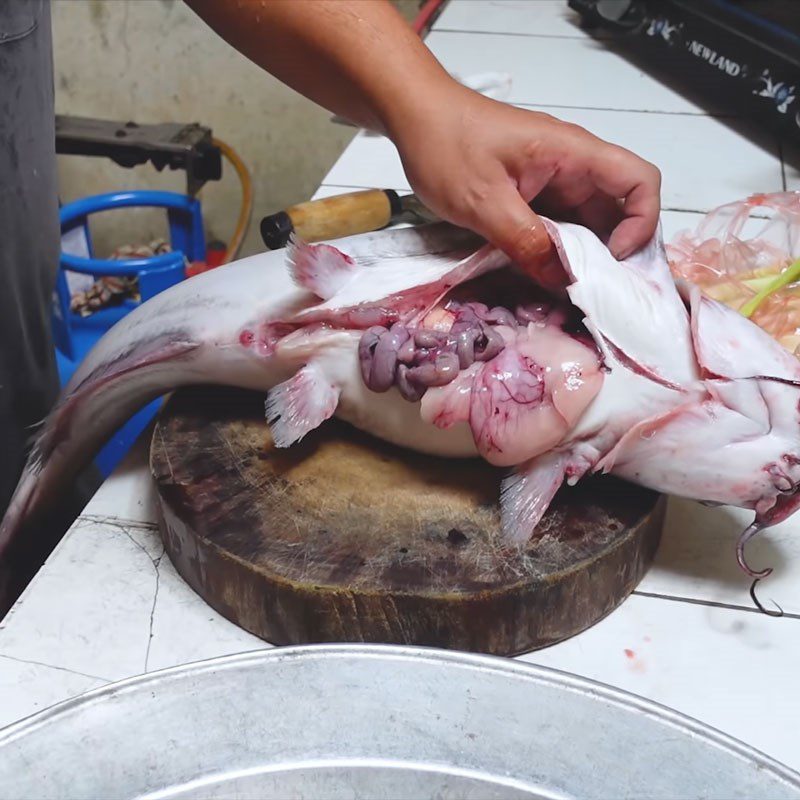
x=156 y=61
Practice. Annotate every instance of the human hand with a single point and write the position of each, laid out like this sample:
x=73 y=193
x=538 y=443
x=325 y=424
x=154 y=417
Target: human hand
x=478 y=163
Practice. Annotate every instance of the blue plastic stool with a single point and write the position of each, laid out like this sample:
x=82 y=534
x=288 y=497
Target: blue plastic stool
x=74 y=335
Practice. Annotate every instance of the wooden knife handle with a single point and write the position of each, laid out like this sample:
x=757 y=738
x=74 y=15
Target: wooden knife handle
x=332 y=217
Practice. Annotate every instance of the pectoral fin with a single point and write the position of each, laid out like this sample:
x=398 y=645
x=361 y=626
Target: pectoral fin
x=296 y=407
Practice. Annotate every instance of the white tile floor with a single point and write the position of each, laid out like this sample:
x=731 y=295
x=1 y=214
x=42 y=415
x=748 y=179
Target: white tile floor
x=108 y=605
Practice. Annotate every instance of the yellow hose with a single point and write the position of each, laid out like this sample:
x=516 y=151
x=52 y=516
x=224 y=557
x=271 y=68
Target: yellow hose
x=247 y=200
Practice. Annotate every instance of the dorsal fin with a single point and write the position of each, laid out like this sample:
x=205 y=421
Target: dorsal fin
x=320 y=268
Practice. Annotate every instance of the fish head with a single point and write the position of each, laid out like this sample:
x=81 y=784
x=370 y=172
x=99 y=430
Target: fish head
x=735 y=437
x=699 y=401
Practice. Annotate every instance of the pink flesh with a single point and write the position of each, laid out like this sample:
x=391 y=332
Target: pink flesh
x=511 y=412
x=523 y=401
x=445 y=406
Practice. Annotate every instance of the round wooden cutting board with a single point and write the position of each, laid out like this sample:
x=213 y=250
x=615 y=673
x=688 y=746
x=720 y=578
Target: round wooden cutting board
x=343 y=538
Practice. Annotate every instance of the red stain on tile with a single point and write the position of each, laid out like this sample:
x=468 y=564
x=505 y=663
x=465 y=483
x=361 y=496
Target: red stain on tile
x=635 y=664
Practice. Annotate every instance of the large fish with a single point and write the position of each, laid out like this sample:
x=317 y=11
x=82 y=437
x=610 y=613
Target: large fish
x=428 y=338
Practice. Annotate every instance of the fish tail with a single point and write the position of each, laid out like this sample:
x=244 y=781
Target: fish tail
x=102 y=396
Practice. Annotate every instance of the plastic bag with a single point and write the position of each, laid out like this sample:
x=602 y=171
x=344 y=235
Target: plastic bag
x=741 y=253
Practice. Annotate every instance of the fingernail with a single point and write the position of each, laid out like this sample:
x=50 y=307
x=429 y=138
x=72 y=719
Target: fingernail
x=621 y=253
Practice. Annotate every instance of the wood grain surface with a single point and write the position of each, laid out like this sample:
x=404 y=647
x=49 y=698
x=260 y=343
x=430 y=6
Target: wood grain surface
x=345 y=538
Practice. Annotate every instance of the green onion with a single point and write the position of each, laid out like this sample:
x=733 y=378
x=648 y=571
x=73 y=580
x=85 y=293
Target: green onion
x=789 y=275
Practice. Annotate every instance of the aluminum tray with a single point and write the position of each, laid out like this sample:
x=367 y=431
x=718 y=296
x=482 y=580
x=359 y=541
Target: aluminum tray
x=383 y=722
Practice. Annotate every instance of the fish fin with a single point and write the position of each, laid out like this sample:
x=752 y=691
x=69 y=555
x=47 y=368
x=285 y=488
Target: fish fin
x=678 y=453
x=747 y=398
x=416 y=283
x=320 y=268
x=644 y=430
x=687 y=428
x=627 y=300
x=301 y=404
x=103 y=394
x=526 y=494
x=729 y=345
x=408 y=270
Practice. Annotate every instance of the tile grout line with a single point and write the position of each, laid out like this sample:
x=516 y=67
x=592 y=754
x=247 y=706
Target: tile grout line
x=698 y=113
x=564 y=107
x=708 y=114
x=578 y=36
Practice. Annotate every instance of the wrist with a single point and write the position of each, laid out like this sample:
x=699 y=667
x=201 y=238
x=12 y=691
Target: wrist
x=419 y=103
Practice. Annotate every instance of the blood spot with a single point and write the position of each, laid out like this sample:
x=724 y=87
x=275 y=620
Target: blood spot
x=246 y=338
x=629 y=653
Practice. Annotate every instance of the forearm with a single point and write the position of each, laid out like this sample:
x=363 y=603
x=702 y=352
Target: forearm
x=475 y=162
x=357 y=58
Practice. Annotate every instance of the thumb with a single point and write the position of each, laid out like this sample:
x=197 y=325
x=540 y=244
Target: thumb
x=510 y=225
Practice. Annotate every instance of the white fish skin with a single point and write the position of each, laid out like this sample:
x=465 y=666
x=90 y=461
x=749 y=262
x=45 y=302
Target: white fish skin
x=697 y=401
x=213 y=328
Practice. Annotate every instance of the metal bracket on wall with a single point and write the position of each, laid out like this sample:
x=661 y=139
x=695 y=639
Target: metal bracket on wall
x=188 y=147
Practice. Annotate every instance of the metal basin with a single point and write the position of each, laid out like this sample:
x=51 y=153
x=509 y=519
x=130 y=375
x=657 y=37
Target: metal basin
x=353 y=721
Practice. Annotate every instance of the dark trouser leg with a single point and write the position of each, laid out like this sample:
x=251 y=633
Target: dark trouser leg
x=29 y=247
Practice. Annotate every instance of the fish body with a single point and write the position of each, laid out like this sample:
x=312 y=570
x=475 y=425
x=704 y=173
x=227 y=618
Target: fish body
x=624 y=373
x=697 y=402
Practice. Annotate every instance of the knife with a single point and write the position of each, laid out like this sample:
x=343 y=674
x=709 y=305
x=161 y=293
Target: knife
x=343 y=215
